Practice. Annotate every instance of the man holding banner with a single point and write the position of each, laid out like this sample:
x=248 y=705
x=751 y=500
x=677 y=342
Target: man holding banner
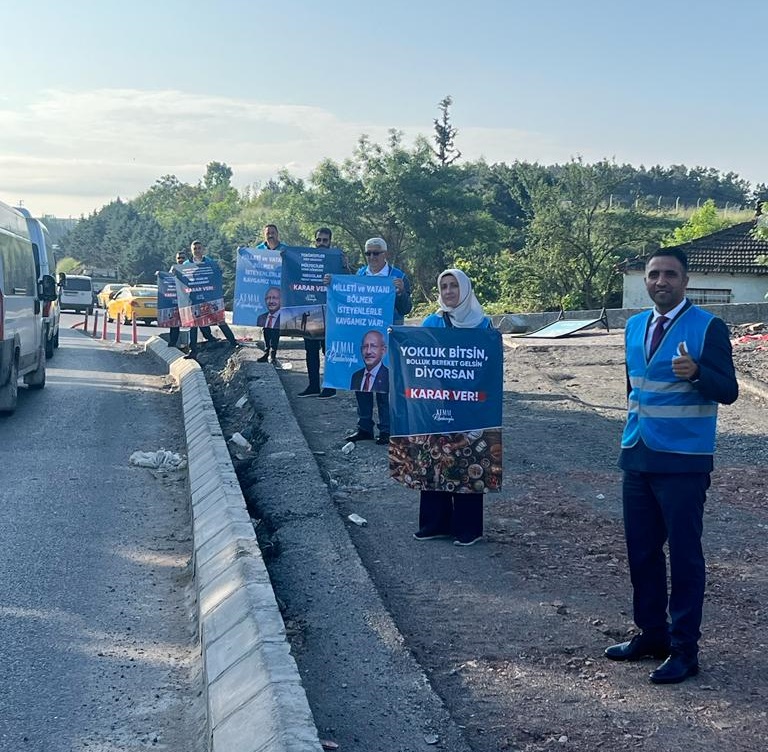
x=204 y=301
x=168 y=305
x=271 y=332
x=377 y=266
x=313 y=345
x=446 y=410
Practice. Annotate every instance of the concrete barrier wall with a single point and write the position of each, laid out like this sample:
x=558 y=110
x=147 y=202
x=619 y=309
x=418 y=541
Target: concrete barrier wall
x=254 y=695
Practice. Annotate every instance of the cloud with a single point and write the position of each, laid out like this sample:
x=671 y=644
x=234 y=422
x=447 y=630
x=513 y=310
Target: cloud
x=92 y=146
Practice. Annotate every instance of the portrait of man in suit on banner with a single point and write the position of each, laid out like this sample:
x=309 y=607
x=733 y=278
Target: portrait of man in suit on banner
x=272 y=301
x=375 y=376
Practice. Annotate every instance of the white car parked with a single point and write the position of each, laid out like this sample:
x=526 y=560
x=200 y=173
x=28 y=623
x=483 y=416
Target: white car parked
x=22 y=349
x=77 y=294
x=44 y=264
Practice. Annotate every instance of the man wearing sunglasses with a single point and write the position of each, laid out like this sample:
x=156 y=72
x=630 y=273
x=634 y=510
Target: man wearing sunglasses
x=378 y=266
x=312 y=347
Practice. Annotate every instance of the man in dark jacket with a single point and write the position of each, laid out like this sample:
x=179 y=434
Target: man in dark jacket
x=679 y=367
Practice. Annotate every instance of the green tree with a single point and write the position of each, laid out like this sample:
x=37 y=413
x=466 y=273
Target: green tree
x=220 y=200
x=120 y=237
x=761 y=227
x=280 y=201
x=574 y=237
x=445 y=134
x=168 y=199
x=217 y=180
x=429 y=213
x=704 y=221
x=68 y=265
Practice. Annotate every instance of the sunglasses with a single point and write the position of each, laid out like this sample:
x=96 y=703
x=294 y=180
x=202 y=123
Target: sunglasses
x=373 y=253
x=322 y=240
x=181 y=258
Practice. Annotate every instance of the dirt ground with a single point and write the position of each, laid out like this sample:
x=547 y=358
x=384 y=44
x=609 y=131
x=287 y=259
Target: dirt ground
x=511 y=631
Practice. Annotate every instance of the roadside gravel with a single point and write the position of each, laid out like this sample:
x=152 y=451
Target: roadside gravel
x=510 y=632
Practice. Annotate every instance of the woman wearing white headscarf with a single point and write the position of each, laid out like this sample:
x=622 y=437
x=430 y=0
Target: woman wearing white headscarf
x=443 y=514
x=458 y=305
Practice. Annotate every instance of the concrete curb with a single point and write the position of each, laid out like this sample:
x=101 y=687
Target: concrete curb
x=255 y=699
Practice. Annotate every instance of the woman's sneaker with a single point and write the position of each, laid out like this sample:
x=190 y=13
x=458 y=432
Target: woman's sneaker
x=468 y=543
x=422 y=536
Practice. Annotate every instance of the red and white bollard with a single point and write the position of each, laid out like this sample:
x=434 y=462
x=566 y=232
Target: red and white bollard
x=134 y=332
x=95 y=323
x=118 y=321
x=85 y=323
x=104 y=326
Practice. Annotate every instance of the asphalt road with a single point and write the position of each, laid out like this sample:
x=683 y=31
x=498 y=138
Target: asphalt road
x=98 y=647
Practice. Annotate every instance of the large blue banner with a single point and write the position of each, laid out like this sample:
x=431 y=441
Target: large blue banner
x=200 y=293
x=360 y=310
x=445 y=403
x=257 y=286
x=304 y=291
x=167 y=300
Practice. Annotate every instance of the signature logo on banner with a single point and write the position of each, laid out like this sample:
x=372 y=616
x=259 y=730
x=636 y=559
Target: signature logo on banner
x=342 y=352
x=442 y=416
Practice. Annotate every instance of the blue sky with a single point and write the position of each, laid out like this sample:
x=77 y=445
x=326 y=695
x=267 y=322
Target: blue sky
x=100 y=99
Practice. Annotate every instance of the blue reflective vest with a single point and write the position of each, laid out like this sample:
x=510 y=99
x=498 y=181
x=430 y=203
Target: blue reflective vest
x=667 y=413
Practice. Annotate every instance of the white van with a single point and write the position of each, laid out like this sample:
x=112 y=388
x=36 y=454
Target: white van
x=22 y=351
x=44 y=264
x=77 y=294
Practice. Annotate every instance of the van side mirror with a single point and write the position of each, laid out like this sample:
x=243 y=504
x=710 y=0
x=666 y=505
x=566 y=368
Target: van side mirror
x=47 y=288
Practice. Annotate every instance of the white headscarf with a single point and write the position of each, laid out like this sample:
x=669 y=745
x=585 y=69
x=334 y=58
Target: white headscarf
x=468 y=314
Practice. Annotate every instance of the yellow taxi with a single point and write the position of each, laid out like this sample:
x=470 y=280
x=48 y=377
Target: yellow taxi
x=138 y=302
x=106 y=293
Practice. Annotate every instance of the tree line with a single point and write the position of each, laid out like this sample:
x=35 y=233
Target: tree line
x=531 y=236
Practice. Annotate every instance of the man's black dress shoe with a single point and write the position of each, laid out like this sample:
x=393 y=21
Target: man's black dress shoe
x=675 y=669
x=263 y=359
x=639 y=647
x=383 y=439
x=359 y=436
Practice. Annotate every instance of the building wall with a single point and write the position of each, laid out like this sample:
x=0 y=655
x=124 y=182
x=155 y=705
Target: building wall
x=745 y=288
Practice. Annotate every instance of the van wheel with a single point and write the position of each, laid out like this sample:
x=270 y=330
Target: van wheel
x=89 y=311
x=56 y=339
x=36 y=379
x=10 y=392
x=49 y=345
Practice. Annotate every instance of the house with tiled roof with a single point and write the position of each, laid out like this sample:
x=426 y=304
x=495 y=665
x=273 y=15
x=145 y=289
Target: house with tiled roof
x=722 y=268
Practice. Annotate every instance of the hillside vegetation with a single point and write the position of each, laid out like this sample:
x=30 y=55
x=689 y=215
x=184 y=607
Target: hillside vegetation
x=532 y=237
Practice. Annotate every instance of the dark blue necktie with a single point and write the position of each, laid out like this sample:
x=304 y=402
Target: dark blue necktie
x=658 y=333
